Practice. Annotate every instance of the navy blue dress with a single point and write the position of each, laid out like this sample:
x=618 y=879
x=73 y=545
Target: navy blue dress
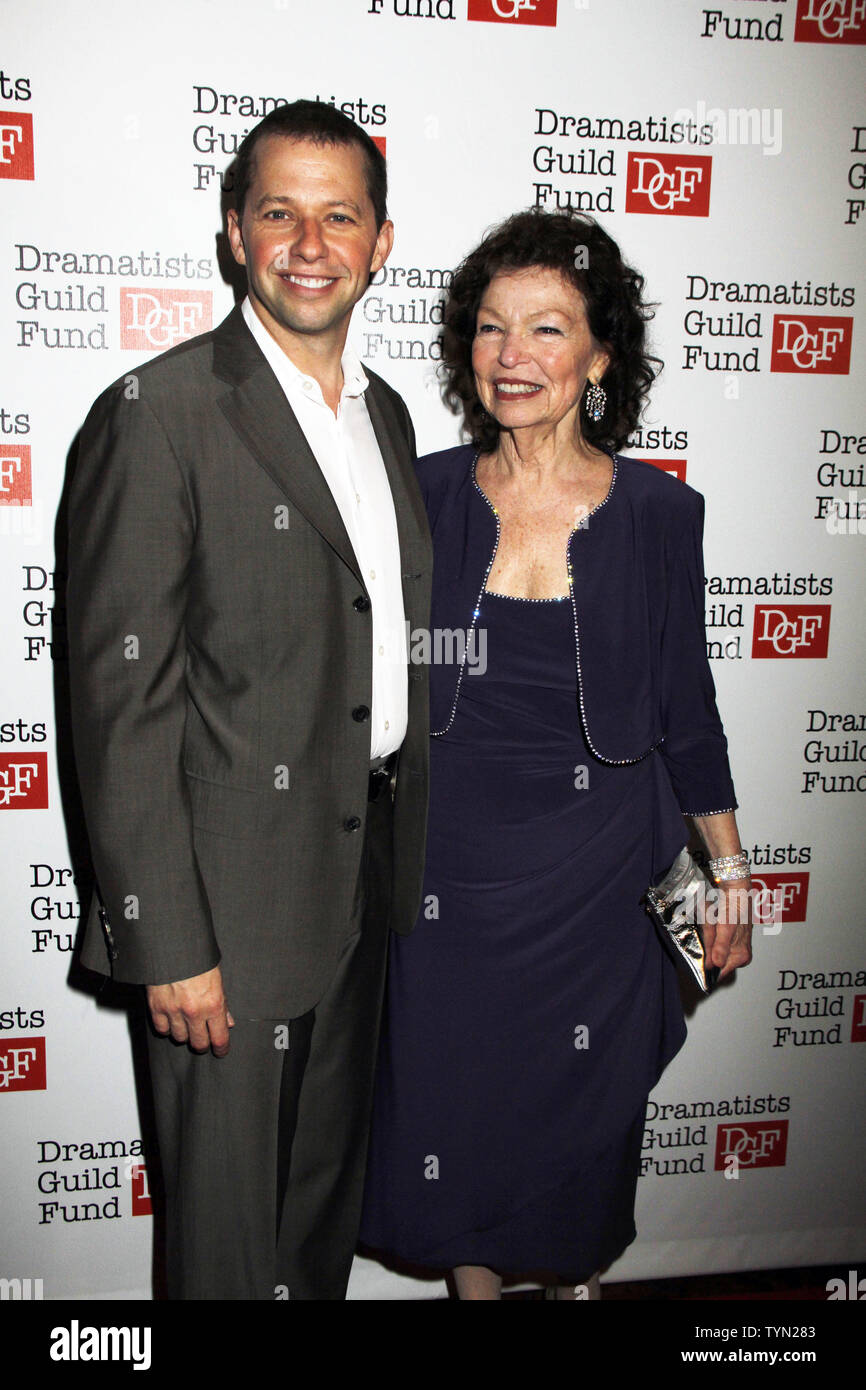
x=533 y=1008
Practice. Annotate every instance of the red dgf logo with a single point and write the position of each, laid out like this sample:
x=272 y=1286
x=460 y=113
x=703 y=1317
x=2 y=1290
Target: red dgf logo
x=811 y=343
x=858 y=1022
x=830 y=21
x=141 y=1204
x=23 y=781
x=15 y=486
x=22 y=1064
x=791 y=629
x=380 y=141
x=669 y=183
x=754 y=1144
x=675 y=466
x=779 y=897
x=514 y=11
x=16 y=145
x=157 y=319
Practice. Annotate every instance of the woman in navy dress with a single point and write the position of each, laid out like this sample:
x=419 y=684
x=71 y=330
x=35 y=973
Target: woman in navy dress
x=573 y=724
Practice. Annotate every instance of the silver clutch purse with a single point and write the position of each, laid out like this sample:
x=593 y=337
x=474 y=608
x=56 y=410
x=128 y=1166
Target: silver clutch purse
x=673 y=904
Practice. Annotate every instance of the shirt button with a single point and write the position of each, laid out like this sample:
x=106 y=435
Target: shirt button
x=308 y=386
x=372 y=574
x=381 y=651
x=358 y=497
x=387 y=724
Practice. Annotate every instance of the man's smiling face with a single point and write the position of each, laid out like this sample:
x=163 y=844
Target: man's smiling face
x=307 y=237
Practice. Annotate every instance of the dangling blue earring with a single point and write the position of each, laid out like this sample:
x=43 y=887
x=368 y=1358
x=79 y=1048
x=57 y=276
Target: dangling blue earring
x=596 y=401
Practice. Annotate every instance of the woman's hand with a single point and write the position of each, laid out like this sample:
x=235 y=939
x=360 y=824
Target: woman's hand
x=728 y=936
x=728 y=933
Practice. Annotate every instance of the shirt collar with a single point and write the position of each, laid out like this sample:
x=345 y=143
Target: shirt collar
x=355 y=379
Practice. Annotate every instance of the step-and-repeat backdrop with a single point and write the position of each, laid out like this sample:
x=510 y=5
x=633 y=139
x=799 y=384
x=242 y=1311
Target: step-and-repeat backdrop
x=725 y=148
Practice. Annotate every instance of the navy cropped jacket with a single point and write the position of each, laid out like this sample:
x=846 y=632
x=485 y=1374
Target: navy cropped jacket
x=643 y=680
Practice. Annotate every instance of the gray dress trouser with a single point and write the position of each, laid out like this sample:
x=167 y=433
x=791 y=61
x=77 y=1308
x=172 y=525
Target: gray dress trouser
x=263 y=1150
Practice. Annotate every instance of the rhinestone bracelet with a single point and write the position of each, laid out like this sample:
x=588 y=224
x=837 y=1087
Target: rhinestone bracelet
x=730 y=867
x=729 y=875
x=727 y=861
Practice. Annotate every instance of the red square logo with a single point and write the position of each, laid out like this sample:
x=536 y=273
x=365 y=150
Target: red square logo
x=23 y=781
x=22 y=1064
x=15 y=484
x=754 y=1144
x=677 y=467
x=16 y=145
x=380 y=141
x=819 y=343
x=858 y=1022
x=674 y=184
x=791 y=630
x=779 y=897
x=514 y=11
x=830 y=21
x=141 y=1204
x=153 y=320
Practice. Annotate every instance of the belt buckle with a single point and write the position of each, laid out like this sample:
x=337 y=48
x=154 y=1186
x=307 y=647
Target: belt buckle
x=379 y=779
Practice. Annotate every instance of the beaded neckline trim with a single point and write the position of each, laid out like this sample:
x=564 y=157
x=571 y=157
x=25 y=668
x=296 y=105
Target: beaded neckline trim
x=519 y=598
x=437 y=733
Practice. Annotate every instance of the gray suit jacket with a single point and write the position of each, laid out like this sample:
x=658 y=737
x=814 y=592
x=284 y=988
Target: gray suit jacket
x=220 y=640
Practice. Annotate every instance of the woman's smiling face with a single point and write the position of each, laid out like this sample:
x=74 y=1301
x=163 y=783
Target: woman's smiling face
x=533 y=351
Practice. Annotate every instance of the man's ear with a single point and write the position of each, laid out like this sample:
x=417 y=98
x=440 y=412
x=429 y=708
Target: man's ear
x=384 y=244
x=236 y=240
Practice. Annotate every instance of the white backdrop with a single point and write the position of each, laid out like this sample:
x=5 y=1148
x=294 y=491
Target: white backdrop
x=724 y=148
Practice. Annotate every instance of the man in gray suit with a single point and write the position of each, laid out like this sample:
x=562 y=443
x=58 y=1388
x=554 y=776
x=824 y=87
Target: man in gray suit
x=247 y=545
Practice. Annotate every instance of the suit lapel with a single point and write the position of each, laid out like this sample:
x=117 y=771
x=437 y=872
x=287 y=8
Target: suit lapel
x=258 y=411
x=408 y=503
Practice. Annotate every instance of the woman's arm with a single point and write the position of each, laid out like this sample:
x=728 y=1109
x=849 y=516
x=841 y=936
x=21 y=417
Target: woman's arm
x=728 y=941
x=695 y=749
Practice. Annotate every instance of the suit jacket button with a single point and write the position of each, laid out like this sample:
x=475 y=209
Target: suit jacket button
x=361 y=604
x=360 y=713
x=352 y=823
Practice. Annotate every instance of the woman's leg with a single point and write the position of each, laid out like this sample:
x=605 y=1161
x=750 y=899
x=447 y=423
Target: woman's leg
x=590 y=1289
x=477 y=1282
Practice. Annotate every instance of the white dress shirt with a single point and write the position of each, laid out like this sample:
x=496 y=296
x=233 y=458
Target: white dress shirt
x=347 y=451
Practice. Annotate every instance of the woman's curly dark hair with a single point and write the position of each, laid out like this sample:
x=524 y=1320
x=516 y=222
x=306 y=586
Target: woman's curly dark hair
x=615 y=310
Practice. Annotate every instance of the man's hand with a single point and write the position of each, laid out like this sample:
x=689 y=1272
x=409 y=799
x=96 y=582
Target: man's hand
x=193 y=1011
x=728 y=943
